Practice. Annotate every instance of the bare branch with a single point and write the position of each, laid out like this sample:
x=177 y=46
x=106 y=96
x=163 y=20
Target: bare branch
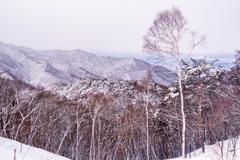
x=196 y=41
x=165 y=34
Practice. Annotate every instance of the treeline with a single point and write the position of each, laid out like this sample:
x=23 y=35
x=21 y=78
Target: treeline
x=99 y=126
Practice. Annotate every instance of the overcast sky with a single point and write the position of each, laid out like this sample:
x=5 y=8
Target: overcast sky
x=113 y=27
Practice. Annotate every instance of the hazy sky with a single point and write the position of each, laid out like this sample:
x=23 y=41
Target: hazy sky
x=113 y=27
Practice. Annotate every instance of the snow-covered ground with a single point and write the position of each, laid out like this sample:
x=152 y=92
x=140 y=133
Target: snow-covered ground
x=213 y=152
x=24 y=152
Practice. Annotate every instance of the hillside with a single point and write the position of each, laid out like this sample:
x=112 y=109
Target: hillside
x=54 y=67
x=94 y=117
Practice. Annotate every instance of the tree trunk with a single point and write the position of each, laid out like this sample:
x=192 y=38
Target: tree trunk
x=183 y=113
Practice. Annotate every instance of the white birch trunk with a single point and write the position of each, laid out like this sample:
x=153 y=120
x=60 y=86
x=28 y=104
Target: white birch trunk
x=183 y=113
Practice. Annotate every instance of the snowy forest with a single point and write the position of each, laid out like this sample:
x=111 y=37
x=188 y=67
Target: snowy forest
x=131 y=119
x=140 y=121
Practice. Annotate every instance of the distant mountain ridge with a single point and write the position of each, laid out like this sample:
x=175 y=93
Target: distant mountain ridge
x=53 y=67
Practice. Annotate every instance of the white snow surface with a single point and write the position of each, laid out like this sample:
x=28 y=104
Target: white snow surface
x=213 y=152
x=24 y=152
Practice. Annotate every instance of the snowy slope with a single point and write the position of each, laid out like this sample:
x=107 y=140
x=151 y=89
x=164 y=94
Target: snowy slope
x=48 y=68
x=24 y=152
x=213 y=152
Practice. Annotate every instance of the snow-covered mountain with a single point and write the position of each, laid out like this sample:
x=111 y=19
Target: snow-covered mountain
x=53 y=67
x=225 y=61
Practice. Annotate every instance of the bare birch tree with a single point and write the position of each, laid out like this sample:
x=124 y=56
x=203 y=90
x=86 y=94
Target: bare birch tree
x=164 y=38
